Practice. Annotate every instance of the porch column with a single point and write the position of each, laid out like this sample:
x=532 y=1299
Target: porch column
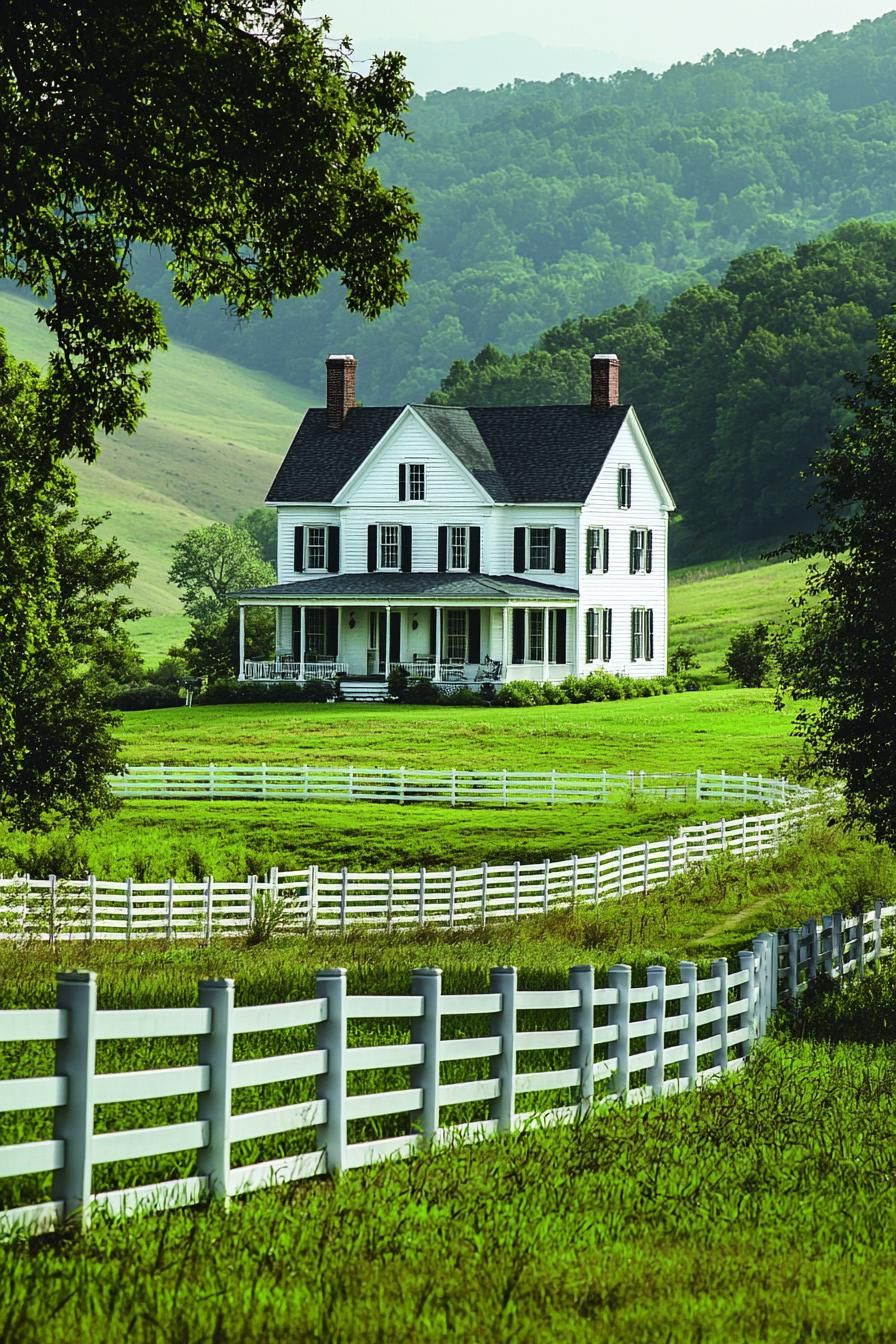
x=242 y=676
x=437 y=670
x=388 y=639
x=301 y=643
x=572 y=635
x=338 y=634
x=546 y=643
x=505 y=642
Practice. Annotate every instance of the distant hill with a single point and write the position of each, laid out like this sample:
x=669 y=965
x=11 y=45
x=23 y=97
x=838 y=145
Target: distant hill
x=208 y=448
x=541 y=201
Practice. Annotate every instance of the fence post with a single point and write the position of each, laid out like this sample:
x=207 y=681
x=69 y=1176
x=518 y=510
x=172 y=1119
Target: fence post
x=401 y=784
x=452 y=894
x=390 y=896
x=516 y=889
x=597 y=879
x=484 y=892
x=687 y=1036
x=332 y=1085
x=827 y=936
x=264 y=779
x=312 y=892
x=91 y=887
x=216 y=1054
x=129 y=899
x=698 y=788
x=878 y=931
x=546 y=897
x=837 y=944
x=575 y=880
x=51 y=909
x=762 y=950
x=502 y=1108
x=720 y=1002
x=209 y=895
x=620 y=858
x=723 y=839
x=553 y=787
x=619 y=978
x=811 y=927
x=169 y=912
x=774 y=973
x=646 y=864
x=860 y=942
x=73 y=1122
x=724 y=786
x=656 y=1039
x=670 y=863
x=748 y=964
x=793 y=962
x=454 y=788
x=503 y=788
x=211 y=780
x=427 y=1031
x=252 y=884
x=421 y=898
x=581 y=1019
x=744 y=795
x=343 y=899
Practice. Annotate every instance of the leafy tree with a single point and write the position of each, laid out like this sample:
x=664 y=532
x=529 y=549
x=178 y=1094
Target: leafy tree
x=749 y=657
x=63 y=609
x=261 y=525
x=839 y=651
x=209 y=563
x=681 y=659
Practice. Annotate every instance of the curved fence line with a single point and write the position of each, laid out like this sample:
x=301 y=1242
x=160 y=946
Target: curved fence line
x=454 y=787
x=316 y=899
x=610 y=1043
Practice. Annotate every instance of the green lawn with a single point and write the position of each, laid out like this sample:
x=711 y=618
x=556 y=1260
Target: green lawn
x=728 y=729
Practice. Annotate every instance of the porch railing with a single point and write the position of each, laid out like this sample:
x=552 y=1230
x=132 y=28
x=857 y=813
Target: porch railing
x=290 y=669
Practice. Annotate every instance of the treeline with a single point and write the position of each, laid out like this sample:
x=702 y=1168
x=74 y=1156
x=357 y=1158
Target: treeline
x=542 y=200
x=736 y=384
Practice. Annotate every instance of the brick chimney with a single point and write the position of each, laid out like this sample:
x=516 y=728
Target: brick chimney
x=340 y=388
x=604 y=381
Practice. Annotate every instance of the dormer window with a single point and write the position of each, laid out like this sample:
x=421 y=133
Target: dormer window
x=411 y=481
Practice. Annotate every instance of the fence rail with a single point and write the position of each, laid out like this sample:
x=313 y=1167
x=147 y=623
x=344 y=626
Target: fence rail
x=311 y=898
x=615 y=1039
x=456 y=788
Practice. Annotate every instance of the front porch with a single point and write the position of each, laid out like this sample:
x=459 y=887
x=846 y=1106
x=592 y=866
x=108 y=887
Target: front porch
x=479 y=630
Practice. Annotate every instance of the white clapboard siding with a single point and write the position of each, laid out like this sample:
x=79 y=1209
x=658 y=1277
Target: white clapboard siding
x=605 y=1042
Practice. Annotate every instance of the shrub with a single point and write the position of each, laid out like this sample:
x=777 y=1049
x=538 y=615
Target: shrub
x=464 y=697
x=398 y=682
x=749 y=657
x=520 y=694
x=168 y=673
x=144 y=697
x=318 y=692
x=422 y=692
x=232 y=692
x=681 y=659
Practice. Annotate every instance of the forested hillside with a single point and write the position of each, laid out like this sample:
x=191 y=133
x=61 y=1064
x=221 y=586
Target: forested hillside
x=736 y=384
x=543 y=201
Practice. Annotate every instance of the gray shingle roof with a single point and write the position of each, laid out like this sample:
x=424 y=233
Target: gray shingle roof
x=432 y=587
x=519 y=454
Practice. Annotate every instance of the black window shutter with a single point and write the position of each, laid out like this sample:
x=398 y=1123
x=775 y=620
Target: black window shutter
x=443 y=549
x=298 y=549
x=649 y=560
x=560 y=641
x=332 y=632
x=405 y=550
x=606 y=549
x=475 y=555
x=589 y=542
x=333 y=550
x=590 y=642
x=631 y=553
x=296 y=630
x=648 y=634
x=608 y=634
x=620 y=487
x=395 y=636
x=474 y=634
x=634 y=636
x=371 y=548
x=519 y=551
x=519 y=636
x=402 y=482
x=432 y=632
x=559 y=550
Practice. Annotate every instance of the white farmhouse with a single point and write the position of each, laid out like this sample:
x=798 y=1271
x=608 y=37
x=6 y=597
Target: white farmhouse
x=467 y=543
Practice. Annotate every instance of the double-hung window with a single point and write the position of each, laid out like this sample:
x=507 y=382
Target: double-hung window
x=316 y=548
x=411 y=481
x=389 y=546
x=598 y=634
x=316 y=630
x=457 y=542
x=535 y=636
x=456 y=636
x=597 y=552
x=624 y=487
x=642 y=634
x=539 y=548
x=640 y=552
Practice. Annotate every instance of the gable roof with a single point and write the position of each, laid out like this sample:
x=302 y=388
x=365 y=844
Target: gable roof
x=519 y=454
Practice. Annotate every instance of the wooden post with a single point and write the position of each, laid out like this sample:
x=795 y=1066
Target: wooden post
x=687 y=1035
x=91 y=887
x=484 y=893
x=390 y=895
x=656 y=1040
x=252 y=884
x=51 y=914
x=343 y=900
x=646 y=865
x=748 y=963
x=452 y=894
x=502 y=1108
x=621 y=873
x=169 y=913
x=619 y=978
x=581 y=1019
x=73 y=1122
x=878 y=929
x=516 y=889
x=332 y=1086
x=597 y=879
x=793 y=962
x=575 y=880
x=837 y=944
x=720 y=1003
x=427 y=1031
x=811 y=928
x=216 y=1054
x=129 y=908
x=860 y=943
x=209 y=896
x=313 y=881
x=546 y=895
x=421 y=899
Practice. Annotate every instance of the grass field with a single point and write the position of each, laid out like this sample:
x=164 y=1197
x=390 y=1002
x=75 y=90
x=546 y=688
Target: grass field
x=208 y=448
x=742 y=1212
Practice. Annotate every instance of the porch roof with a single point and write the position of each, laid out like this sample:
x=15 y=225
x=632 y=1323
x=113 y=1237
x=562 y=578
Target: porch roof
x=380 y=587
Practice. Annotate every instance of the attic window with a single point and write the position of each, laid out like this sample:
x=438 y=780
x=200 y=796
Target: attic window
x=411 y=481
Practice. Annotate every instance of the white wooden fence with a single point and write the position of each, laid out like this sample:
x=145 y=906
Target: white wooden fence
x=457 y=788
x=616 y=1036
x=311 y=898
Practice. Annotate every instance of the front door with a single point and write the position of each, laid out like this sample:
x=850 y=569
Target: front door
x=376 y=646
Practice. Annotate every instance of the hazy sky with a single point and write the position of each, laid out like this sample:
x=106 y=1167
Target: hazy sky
x=653 y=33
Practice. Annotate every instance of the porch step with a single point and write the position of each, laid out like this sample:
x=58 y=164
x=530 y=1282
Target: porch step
x=365 y=690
